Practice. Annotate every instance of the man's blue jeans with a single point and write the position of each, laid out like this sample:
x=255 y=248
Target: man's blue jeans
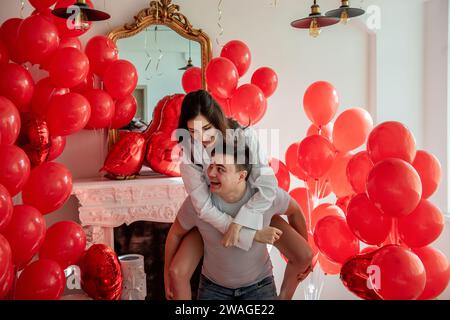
x=263 y=290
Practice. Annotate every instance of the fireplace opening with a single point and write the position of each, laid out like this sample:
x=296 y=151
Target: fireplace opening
x=148 y=239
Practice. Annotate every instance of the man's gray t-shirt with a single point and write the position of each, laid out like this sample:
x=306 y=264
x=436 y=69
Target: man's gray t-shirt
x=232 y=267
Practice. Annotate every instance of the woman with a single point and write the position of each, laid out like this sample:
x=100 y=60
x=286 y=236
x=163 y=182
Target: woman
x=203 y=118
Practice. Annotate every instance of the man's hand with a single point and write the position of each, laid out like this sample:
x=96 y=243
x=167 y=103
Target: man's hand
x=304 y=275
x=231 y=237
x=268 y=235
x=167 y=286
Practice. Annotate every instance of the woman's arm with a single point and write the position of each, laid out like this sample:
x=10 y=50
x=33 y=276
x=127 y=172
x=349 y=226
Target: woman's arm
x=262 y=178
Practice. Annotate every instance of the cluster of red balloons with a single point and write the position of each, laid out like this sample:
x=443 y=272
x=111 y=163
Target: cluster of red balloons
x=35 y=119
x=246 y=103
x=382 y=200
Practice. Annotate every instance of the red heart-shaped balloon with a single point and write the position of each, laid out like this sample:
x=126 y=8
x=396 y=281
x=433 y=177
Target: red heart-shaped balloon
x=355 y=274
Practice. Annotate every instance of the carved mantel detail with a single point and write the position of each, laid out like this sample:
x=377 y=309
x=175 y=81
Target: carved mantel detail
x=106 y=204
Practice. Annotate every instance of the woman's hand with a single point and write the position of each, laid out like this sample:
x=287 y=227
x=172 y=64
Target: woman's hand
x=268 y=235
x=168 y=286
x=231 y=237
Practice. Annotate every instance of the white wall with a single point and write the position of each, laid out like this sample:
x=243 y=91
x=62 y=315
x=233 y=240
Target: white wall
x=387 y=73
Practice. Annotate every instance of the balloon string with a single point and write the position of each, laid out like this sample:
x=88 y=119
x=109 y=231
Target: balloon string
x=22 y=7
x=394 y=232
x=219 y=23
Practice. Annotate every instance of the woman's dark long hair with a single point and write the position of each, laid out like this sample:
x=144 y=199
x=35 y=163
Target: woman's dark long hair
x=201 y=102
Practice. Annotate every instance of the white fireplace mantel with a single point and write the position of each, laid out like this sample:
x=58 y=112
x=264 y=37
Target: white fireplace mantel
x=106 y=204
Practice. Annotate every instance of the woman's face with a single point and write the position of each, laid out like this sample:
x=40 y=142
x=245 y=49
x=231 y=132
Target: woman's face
x=202 y=130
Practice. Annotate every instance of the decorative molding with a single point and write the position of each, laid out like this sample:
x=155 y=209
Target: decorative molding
x=106 y=204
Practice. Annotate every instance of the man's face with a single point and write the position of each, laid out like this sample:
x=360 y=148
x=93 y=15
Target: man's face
x=223 y=174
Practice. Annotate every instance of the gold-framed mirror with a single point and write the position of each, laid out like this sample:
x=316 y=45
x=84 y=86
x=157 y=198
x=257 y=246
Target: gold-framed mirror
x=161 y=43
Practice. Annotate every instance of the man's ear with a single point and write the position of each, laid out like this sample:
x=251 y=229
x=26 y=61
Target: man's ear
x=243 y=175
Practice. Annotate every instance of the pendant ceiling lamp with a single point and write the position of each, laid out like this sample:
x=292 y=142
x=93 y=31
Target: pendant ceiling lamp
x=345 y=12
x=189 y=63
x=315 y=21
x=83 y=14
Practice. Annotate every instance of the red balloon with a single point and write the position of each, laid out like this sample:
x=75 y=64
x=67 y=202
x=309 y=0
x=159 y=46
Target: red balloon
x=281 y=172
x=17 y=85
x=351 y=129
x=57 y=146
x=192 y=79
x=25 y=233
x=335 y=240
x=69 y=67
x=238 y=53
x=41 y=280
x=120 y=78
x=101 y=51
x=320 y=188
x=9 y=32
x=64 y=243
x=355 y=275
x=316 y=156
x=34 y=139
x=423 y=226
x=73 y=42
x=437 y=271
x=358 y=169
x=305 y=200
x=14 y=168
x=101 y=274
x=9 y=122
x=324 y=131
x=329 y=267
x=38 y=38
x=6 y=267
x=102 y=109
x=87 y=84
x=225 y=105
x=124 y=112
x=69 y=28
x=291 y=158
x=43 y=93
x=325 y=210
x=429 y=169
x=221 y=77
x=394 y=187
x=391 y=140
x=248 y=104
x=320 y=102
x=266 y=79
x=6 y=208
x=5 y=258
x=68 y=114
x=402 y=274
x=42 y=4
x=4 y=54
x=338 y=176
x=126 y=156
x=366 y=221
x=343 y=203
x=48 y=187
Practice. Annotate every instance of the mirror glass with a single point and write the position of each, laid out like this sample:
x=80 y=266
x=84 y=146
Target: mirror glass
x=161 y=57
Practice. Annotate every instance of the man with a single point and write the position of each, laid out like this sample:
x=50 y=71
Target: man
x=232 y=273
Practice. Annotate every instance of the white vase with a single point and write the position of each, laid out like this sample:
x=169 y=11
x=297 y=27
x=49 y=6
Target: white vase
x=134 y=278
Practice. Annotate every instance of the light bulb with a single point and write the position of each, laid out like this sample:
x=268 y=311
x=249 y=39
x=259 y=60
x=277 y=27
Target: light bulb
x=314 y=28
x=81 y=22
x=344 y=16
